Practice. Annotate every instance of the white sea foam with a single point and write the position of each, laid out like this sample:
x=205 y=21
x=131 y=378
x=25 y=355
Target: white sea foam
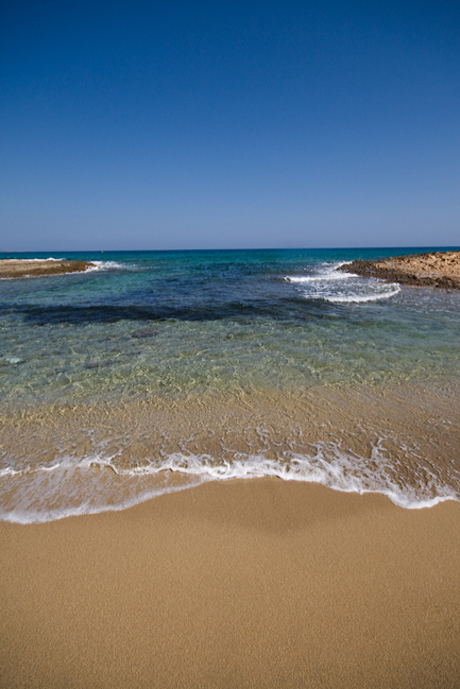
x=104 y=265
x=71 y=486
x=335 y=286
x=392 y=291
x=319 y=278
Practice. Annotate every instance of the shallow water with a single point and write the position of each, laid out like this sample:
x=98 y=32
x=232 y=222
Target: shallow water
x=158 y=370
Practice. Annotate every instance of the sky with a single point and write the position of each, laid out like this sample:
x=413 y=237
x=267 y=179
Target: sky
x=202 y=125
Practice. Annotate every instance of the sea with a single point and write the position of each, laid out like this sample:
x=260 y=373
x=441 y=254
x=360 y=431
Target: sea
x=155 y=371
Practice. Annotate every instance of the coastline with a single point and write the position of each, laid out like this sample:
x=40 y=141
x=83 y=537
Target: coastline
x=240 y=583
x=433 y=269
x=398 y=440
x=32 y=268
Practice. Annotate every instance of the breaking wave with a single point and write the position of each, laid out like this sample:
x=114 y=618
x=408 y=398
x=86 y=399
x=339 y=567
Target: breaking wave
x=71 y=486
x=337 y=287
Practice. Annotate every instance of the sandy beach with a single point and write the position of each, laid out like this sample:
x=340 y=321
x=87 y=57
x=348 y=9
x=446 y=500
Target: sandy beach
x=32 y=268
x=258 y=583
x=436 y=269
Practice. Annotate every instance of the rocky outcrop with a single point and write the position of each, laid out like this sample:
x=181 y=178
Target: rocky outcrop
x=435 y=269
x=28 y=268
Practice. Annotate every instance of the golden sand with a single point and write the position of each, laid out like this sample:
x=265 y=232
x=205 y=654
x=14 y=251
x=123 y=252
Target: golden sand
x=259 y=583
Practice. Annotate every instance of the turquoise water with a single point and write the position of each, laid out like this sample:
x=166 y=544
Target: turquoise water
x=176 y=322
x=177 y=328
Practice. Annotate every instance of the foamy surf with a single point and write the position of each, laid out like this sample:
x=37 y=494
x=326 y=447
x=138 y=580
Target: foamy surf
x=104 y=266
x=71 y=487
x=336 y=287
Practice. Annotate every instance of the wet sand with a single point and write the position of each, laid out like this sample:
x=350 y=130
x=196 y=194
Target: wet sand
x=436 y=269
x=259 y=583
x=28 y=268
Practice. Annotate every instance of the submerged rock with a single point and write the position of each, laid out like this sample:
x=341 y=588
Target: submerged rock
x=144 y=333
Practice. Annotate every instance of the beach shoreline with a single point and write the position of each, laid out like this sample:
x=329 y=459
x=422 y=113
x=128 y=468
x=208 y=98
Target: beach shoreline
x=243 y=583
x=398 y=440
x=432 y=269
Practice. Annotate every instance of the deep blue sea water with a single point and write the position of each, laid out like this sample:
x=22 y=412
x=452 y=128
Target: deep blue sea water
x=158 y=370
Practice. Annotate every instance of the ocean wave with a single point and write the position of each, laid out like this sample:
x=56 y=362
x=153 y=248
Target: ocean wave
x=337 y=287
x=392 y=291
x=299 y=279
x=106 y=265
x=70 y=487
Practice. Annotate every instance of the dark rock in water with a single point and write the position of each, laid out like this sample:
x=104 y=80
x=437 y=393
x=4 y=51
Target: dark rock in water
x=447 y=283
x=100 y=364
x=145 y=333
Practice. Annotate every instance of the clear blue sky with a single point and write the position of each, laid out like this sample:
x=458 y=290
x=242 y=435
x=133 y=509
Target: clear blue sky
x=156 y=125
